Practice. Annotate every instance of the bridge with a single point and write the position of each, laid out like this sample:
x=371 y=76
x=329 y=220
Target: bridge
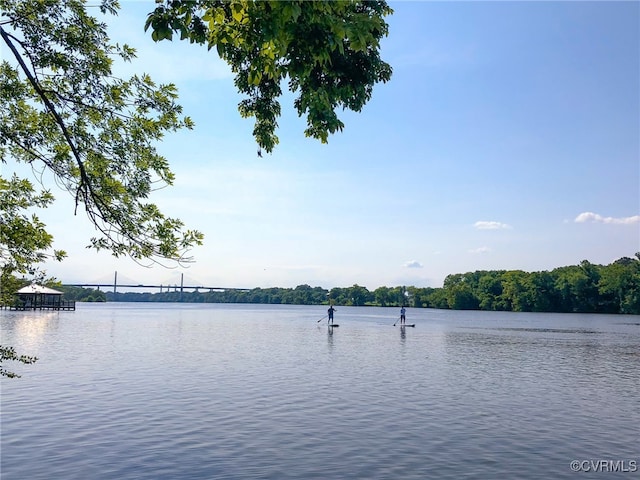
x=167 y=287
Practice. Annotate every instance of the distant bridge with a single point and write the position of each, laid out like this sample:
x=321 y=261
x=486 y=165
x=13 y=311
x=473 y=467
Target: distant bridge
x=162 y=288
x=167 y=288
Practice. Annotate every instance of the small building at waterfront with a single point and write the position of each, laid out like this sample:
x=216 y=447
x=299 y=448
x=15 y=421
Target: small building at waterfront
x=39 y=297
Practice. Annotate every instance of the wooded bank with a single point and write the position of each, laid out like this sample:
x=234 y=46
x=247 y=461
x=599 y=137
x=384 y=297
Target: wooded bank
x=583 y=288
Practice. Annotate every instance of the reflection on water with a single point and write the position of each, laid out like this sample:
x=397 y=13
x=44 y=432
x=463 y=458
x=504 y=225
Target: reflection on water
x=31 y=328
x=330 y=338
x=127 y=391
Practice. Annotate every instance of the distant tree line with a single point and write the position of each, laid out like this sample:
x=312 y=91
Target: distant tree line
x=583 y=288
x=80 y=294
x=301 y=295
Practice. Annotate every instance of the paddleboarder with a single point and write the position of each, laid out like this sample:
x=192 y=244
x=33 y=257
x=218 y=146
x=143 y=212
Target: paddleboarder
x=330 y=314
x=403 y=315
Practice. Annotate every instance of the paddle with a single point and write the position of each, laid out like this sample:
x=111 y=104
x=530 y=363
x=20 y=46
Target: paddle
x=396 y=321
x=321 y=319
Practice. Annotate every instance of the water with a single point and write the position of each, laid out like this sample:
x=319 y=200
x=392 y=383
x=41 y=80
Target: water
x=168 y=391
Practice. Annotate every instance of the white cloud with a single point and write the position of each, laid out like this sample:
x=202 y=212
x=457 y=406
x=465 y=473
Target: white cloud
x=590 y=217
x=485 y=225
x=413 y=264
x=480 y=250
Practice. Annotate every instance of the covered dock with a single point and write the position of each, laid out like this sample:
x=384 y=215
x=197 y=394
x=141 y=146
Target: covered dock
x=39 y=297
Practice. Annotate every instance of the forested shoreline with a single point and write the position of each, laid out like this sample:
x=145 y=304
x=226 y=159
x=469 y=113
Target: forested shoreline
x=583 y=288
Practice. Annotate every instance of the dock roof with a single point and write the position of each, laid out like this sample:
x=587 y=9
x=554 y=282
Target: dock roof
x=35 y=288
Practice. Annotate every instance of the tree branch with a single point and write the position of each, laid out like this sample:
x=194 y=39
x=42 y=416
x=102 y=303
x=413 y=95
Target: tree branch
x=84 y=178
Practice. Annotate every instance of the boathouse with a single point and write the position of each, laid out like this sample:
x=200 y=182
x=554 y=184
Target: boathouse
x=39 y=297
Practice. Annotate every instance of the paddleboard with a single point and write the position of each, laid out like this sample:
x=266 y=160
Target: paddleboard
x=406 y=324
x=333 y=325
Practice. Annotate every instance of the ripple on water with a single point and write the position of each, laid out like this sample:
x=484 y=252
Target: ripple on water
x=126 y=394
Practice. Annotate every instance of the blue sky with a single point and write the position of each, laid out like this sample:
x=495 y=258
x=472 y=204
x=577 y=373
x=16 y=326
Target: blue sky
x=507 y=138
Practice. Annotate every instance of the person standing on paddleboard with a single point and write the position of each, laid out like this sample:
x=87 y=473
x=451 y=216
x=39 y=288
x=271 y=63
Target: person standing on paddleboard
x=403 y=315
x=330 y=313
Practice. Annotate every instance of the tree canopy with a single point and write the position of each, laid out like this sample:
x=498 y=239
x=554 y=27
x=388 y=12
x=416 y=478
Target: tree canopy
x=23 y=238
x=65 y=114
x=328 y=51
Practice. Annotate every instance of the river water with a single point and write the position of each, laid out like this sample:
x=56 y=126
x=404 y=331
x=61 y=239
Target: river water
x=185 y=391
